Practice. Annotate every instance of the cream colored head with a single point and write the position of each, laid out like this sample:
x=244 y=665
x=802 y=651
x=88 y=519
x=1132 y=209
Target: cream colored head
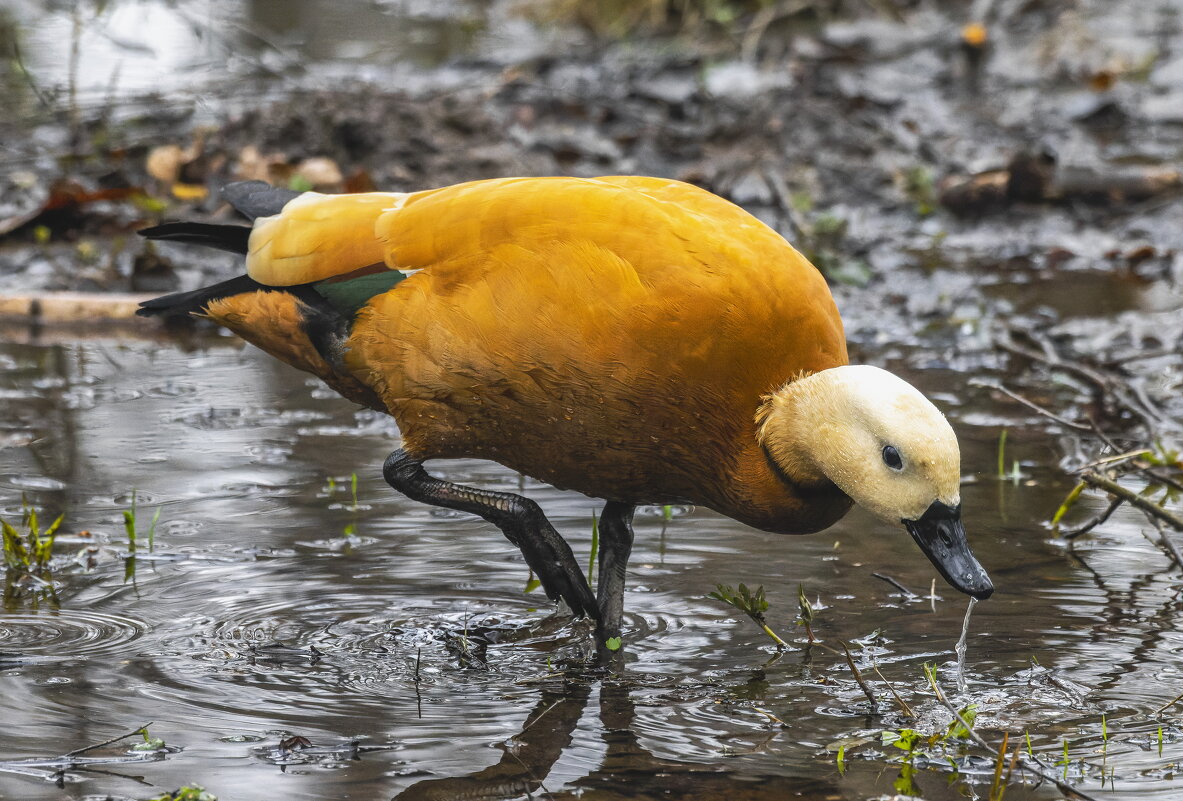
x=848 y=424
x=887 y=447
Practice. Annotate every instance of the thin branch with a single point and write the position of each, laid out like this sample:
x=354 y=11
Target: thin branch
x=1105 y=384
x=1111 y=461
x=86 y=748
x=1167 y=545
x=771 y=717
x=859 y=678
x=1092 y=524
x=781 y=190
x=760 y=22
x=1101 y=434
x=896 y=584
x=907 y=710
x=1134 y=499
x=1169 y=704
x=1035 y=407
x=1159 y=477
x=20 y=62
x=1050 y=357
x=541 y=715
x=530 y=775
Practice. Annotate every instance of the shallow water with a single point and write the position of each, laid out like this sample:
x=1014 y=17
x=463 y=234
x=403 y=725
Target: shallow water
x=256 y=618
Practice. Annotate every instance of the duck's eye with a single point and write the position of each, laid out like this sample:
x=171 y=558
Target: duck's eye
x=892 y=458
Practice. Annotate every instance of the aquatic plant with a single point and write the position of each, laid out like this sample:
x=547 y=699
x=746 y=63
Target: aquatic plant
x=28 y=548
x=149 y=742
x=805 y=615
x=919 y=186
x=595 y=545
x=133 y=536
x=129 y=525
x=190 y=792
x=354 y=507
x=752 y=604
x=1003 y=475
x=28 y=554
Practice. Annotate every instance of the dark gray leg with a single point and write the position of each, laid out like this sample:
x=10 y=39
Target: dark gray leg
x=520 y=519
x=616 y=543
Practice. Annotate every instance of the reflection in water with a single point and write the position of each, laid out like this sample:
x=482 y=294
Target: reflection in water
x=627 y=771
x=128 y=47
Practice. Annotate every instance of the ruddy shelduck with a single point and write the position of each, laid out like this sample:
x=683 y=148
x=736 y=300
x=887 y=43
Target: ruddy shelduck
x=639 y=340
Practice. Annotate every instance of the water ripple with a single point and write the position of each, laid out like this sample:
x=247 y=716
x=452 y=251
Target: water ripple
x=64 y=634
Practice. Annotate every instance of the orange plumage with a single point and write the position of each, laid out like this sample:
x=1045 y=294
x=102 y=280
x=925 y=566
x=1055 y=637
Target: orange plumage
x=637 y=339
x=614 y=336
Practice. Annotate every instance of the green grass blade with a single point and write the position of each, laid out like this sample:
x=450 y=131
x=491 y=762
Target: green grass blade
x=129 y=525
x=152 y=530
x=1067 y=504
x=595 y=546
x=14 y=549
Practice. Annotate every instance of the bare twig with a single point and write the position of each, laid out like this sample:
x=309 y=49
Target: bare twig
x=1129 y=397
x=896 y=584
x=20 y=63
x=773 y=718
x=781 y=190
x=1169 y=704
x=1035 y=407
x=1048 y=355
x=907 y=710
x=1072 y=534
x=1101 y=434
x=530 y=775
x=1160 y=477
x=858 y=677
x=84 y=749
x=1111 y=461
x=1134 y=499
x=541 y=715
x=1168 y=545
x=762 y=19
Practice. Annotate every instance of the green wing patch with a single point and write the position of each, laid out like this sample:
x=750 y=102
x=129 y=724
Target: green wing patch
x=349 y=296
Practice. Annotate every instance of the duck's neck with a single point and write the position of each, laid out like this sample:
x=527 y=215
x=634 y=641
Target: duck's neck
x=778 y=484
x=792 y=420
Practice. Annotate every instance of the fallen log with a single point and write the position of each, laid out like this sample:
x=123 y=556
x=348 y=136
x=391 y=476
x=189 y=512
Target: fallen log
x=71 y=307
x=1037 y=179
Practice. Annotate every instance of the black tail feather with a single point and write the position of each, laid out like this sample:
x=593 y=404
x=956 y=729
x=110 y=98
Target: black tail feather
x=257 y=198
x=183 y=303
x=233 y=238
x=251 y=198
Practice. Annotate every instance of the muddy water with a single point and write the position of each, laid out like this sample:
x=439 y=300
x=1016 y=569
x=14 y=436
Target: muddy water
x=256 y=618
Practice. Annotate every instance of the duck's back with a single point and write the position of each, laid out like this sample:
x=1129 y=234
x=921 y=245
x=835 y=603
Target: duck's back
x=613 y=336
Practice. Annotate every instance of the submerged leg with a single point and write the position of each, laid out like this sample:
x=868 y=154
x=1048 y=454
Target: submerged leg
x=616 y=543
x=520 y=519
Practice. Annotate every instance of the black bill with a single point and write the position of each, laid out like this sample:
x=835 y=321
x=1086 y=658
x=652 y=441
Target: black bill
x=941 y=536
